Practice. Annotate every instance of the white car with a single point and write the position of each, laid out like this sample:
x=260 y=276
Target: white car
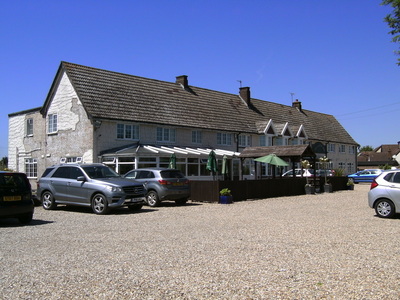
x=384 y=194
x=298 y=173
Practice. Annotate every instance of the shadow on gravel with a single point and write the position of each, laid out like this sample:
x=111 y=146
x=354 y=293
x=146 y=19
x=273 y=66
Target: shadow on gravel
x=15 y=223
x=116 y=211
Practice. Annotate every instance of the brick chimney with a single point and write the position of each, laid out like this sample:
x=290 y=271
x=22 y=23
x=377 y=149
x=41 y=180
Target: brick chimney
x=297 y=104
x=183 y=80
x=244 y=93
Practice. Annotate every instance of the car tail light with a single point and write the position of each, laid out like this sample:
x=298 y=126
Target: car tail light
x=374 y=184
x=164 y=182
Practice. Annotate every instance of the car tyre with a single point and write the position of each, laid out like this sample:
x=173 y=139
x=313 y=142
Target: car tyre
x=48 y=202
x=152 y=199
x=181 y=201
x=135 y=207
x=26 y=218
x=385 y=208
x=100 y=204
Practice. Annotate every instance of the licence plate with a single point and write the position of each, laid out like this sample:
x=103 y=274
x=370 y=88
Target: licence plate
x=12 y=198
x=133 y=200
x=178 y=183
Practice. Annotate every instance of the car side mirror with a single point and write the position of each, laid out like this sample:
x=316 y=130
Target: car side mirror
x=81 y=178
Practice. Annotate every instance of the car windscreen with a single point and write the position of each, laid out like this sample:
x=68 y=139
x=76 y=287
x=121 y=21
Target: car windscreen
x=171 y=174
x=96 y=172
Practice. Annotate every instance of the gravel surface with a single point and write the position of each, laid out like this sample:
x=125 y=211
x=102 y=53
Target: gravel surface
x=325 y=246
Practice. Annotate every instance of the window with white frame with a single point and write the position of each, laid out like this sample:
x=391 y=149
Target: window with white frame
x=29 y=127
x=265 y=140
x=352 y=149
x=342 y=149
x=166 y=135
x=196 y=137
x=52 y=123
x=127 y=132
x=224 y=139
x=331 y=147
x=244 y=140
x=350 y=167
x=342 y=165
x=281 y=141
x=31 y=167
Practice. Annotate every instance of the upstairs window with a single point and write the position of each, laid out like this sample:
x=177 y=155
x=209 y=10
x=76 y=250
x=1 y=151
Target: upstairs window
x=196 y=137
x=352 y=149
x=342 y=149
x=166 y=135
x=224 y=139
x=29 y=127
x=244 y=140
x=331 y=147
x=127 y=132
x=52 y=123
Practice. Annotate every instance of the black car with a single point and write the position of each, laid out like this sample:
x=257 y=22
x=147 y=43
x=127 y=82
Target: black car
x=16 y=197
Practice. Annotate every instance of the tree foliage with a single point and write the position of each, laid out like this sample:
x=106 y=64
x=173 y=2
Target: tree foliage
x=4 y=163
x=366 y=148
x=393 y=20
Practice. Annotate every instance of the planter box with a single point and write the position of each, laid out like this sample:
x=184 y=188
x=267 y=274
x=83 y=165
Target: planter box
x=327 y=188
x=225 y=199
x=310 y=190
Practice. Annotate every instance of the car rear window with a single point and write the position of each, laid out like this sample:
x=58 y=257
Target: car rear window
x=47 y=171
x=171 y=174
x=13 y=181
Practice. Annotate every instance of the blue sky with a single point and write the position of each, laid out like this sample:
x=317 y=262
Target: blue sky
x=336 y=56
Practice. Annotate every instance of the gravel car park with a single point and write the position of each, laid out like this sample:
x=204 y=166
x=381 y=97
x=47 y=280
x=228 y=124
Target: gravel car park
x=263 y=249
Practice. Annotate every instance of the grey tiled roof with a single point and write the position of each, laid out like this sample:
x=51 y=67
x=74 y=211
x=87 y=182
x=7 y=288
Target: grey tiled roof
x=113 y=95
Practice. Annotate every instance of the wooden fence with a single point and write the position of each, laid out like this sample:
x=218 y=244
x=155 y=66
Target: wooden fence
x=208 y=191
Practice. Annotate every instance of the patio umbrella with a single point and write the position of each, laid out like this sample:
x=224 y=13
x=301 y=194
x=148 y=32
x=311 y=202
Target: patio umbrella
x=172 y=161
x=224 y=170
x=273 y=160
x=212 y=162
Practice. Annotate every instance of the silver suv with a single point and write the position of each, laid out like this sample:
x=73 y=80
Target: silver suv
x=162 y=184
x=93 y=185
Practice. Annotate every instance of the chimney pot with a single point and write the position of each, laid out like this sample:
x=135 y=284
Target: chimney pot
x=244 y=93
x=297 y=104
x=183 y=80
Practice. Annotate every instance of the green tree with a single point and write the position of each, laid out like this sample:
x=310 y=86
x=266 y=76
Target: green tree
x=4 y=163
x=366 y=148
x=393 y=21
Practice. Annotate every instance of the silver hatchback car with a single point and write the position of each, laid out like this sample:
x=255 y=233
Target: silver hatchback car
x=384 y=194
x=93 y=185
x=162 y=184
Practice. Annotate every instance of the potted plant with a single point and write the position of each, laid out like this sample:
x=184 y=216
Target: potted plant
x=309 y=188
x=324 y=162
x=225 y=196
x=350 y=184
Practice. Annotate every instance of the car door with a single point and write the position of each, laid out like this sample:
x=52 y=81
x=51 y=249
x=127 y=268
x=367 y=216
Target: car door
x=394 y=188
x=59 y=181
x=77 y=190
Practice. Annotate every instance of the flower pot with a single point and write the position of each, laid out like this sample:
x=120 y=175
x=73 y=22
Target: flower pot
x=350 y=187
x=327 y=188
x=310 y=189
x=225 y=199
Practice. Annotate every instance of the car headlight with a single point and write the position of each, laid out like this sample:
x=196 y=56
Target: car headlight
x=114 y=189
